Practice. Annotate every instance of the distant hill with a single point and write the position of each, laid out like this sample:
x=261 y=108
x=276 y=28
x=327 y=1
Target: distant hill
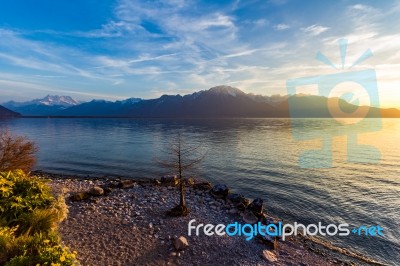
x=5 y=113
x=46 y=106
x=100 y=108
x=220 y=101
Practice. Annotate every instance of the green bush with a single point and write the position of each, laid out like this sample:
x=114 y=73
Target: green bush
x=29 y=216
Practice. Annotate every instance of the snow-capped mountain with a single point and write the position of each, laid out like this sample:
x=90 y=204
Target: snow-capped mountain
x=220 y=101
x=49 y=100
x=45 y=106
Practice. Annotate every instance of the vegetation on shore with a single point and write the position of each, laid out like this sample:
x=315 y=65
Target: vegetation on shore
x=16 y=152
x=29 y=213
x=29 y=216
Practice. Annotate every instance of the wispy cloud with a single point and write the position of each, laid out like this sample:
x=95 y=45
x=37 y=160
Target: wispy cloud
x=144 y=48
x=26 y=88
x=281 y=27
x=315 y=30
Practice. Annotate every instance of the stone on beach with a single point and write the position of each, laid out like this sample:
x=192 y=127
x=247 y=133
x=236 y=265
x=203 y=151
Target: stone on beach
x=256 y=207
x=202 y=186
x=269 y=256
x=126 y=183
x=79 y=196
x=220 y=191
x=171 y=180
x=249 y=217
x=181 y=243
x=96 y=191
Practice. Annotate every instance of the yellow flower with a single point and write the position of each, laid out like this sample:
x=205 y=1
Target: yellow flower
x=46 y=241
x=62 y=258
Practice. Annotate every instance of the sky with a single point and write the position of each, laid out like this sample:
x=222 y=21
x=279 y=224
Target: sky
x=117 y=49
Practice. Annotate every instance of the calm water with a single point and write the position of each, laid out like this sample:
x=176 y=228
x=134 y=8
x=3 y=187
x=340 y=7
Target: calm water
x=256 y=157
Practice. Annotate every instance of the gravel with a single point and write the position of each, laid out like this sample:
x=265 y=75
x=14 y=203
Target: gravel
x=130 y=227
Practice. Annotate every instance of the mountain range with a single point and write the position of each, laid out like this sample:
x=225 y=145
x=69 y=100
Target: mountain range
x=6 y=113
x=220 y=101
x=42 y=107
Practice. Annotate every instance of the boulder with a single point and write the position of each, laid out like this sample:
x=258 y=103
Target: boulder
x=79 y=196
x=235 y=198
x=112 y=184
x=202 y=186
x=269 y=256
x=220 y=191
x=238 y=200
x=170 y=180
x=96 y=191
x=181 y=243
x=256 y=207
x=107 y=190
x=189 y=182
x=126 y=183
x=249 y=218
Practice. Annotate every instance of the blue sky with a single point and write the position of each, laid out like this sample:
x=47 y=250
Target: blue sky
x=116 y=49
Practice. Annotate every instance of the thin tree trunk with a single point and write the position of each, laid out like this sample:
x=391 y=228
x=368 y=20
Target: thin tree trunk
x=182 y=197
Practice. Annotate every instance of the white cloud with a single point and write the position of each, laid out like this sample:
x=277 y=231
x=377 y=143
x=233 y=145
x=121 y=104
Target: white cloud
x=315 y=30
x=261 y=22
x=280 y=27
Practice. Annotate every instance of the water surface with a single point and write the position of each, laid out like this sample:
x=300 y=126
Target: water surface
x=256 y=157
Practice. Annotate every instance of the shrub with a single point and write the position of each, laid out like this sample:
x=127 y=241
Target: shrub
x=21 y=195
x=29 y=216
x=16 y=152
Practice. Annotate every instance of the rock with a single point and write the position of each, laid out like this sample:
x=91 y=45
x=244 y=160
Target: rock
x=241 y=206
x=249 y=217
x=269 y=256
x=150 y=225
x=170 y=180
x=220 y=191
x=126 y=183
x=181 y=243
x=235 y=198
x=112 y=184
x=189 y=182
x=96 y=191
x=80 y=196
x=232 y=211
x=107 y=190
x=202 y=186
x=256 y=207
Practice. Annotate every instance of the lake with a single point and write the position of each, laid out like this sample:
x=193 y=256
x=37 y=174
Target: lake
x=255 y=157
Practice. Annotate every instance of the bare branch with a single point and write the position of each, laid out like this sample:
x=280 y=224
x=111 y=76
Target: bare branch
x=16 y=152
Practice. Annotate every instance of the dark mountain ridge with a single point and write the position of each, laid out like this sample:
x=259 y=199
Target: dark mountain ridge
x=6 y=113
x=220 y=101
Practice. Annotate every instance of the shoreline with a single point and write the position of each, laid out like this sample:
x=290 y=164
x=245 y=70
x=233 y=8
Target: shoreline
x=131 y=219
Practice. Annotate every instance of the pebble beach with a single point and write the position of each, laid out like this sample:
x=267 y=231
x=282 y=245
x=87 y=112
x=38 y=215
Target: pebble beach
x=128 y=225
